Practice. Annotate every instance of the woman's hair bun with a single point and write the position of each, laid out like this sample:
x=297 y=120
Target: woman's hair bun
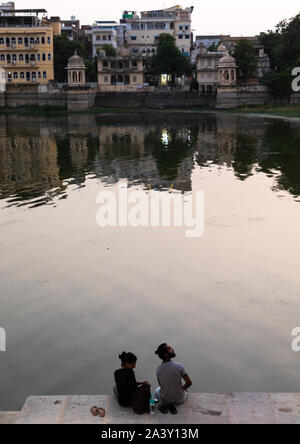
x=122 y=355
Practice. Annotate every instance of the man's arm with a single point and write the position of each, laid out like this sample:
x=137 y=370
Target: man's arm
x=188 y=382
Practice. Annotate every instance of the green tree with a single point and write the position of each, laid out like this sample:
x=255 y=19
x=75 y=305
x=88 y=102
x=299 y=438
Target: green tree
x=168 y=59
x=246 y=58
x=213 y=47
x=63 y=50
x=110 y=51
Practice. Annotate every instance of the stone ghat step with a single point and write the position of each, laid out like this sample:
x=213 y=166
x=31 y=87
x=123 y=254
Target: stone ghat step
x=200 y=408
x=9 y=417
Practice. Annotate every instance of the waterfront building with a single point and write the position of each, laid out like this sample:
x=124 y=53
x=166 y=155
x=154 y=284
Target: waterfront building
x=263 y=60
x=143 y=30
x=26 y=46
x=124 y=72
x=207 y=71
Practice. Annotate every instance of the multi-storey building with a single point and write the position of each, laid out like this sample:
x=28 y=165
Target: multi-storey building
x=124 y=72
x=106 y=33
x=71 y=28
x=26 y=46
x=206 y=41
x=143 y=30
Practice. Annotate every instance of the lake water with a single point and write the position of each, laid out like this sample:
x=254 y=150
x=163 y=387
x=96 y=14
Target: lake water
x=74 y=295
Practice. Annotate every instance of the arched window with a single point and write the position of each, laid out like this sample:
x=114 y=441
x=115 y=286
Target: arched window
x=49 y=57
x=26 y=41
x=13 y=40
x=37 y=40
x=16 y=75
x=49 y=40
x=7 y=41
x=43 y=40
x=32 y=40
x=21 y=57
x=1 y=41
x=14 y=57
x=22 y=75
x=20 y=41
x=2 y=57
x=28 y=76
x=44 y=57
x=44 y=74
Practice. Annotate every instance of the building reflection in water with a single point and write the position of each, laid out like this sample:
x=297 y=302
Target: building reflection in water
x=40 y=158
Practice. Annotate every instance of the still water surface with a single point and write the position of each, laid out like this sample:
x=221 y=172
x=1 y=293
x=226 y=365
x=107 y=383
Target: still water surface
x=74 y=295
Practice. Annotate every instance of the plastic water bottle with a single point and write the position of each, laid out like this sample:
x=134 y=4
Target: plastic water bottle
x=152 y=405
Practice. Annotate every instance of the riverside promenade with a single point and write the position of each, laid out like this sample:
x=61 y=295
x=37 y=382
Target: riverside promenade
x=200 y=408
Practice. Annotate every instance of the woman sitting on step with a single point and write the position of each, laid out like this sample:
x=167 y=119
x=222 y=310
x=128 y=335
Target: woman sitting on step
x=128 y=391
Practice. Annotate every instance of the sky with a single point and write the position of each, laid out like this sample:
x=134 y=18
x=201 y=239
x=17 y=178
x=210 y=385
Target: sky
x=211 y=17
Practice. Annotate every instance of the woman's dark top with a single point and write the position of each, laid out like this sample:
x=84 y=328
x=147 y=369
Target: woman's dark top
x=126 y=385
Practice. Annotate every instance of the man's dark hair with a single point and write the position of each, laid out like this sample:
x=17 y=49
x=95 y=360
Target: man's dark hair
x=161 y=350
x=128 y=357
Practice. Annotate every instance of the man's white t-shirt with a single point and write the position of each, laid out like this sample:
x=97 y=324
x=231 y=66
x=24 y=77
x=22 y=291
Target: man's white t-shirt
x=169 y=375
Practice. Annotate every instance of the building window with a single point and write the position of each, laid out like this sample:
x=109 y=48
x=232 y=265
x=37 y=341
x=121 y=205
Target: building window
x=20 y=41
x=113 y=80
x=109 y=37
x=49 y=40
x=133 y=37
x=37 y=41
x=14 y=57
x=180 y=37
x=39 y=57
x=127 y=80
x=98 y=37
x=104 y=38
x=1 y=41
x=105 y=64
x=134 y=64
x=43 y=40
x=105 y=79
x=31 y=40
x=22 y=75
x=113 y=65
x=44 y=57
x=21 y=57
x=49 y=57
x=2 y=57
x=28 y=76
x=39 y=74
x=16 y=75
x=44 y=74
x=26 y=41
x=186 y=27
x=134 y=79
x=187 y=37
x=13 y=41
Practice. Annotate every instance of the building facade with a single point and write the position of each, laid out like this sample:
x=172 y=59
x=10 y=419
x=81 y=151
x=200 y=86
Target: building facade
x=207 y=74
x=26 y=46
x=143 y=30
x=124 y=72
x=106 y=33
x=263 y=60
